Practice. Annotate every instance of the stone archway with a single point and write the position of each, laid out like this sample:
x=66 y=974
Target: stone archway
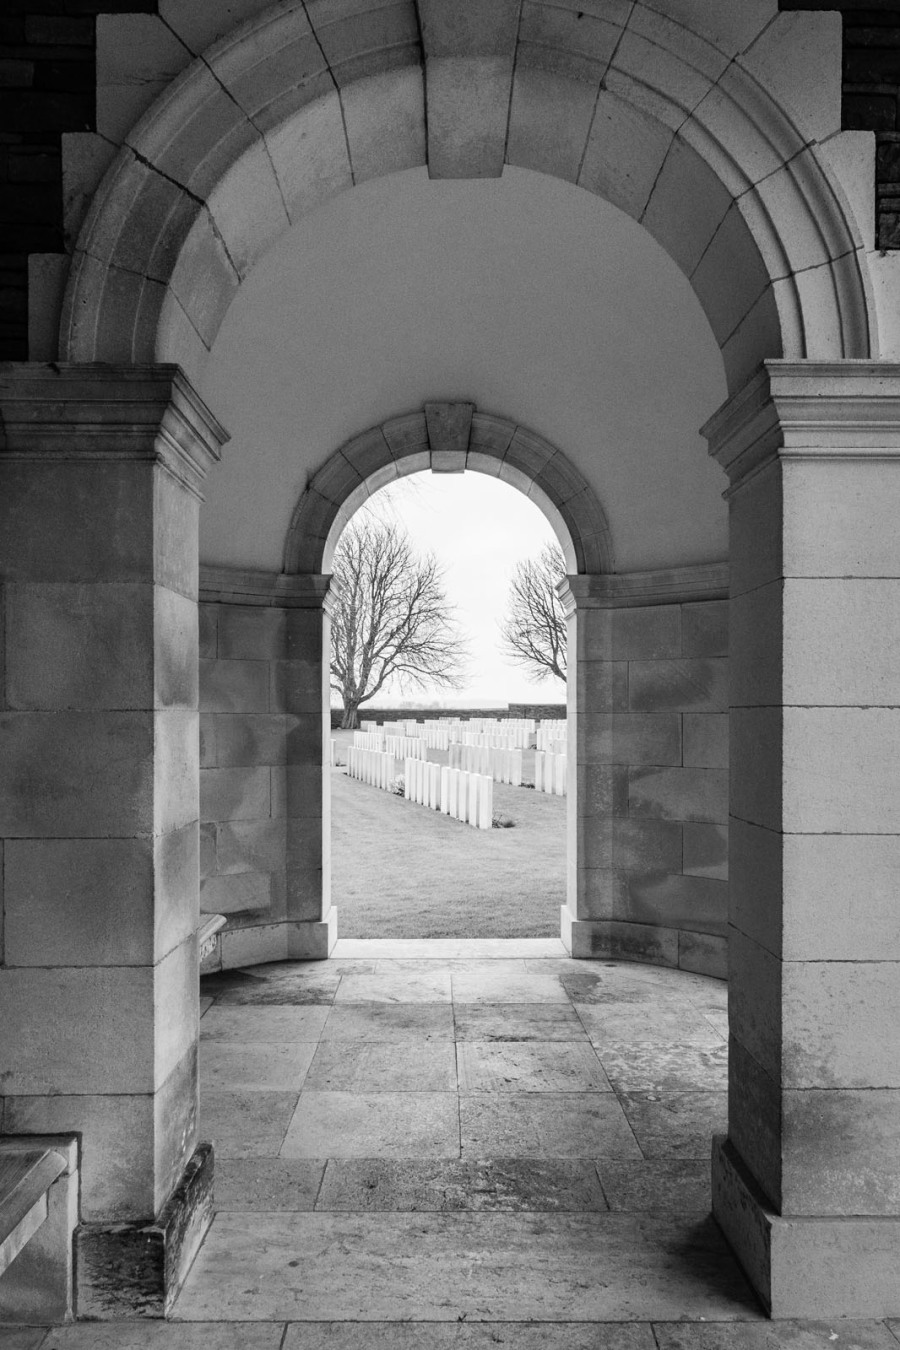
x=807 y=1186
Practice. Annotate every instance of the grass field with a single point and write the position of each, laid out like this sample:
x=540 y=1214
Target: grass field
x=400 y=870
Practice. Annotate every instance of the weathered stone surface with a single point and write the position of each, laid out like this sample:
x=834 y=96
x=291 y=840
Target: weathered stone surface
x=678 y=686
x=398 y=1066
x=666 y=1066
x=374 y=1125
x=138 y=1269
x=517 y=1022
x=676 y=1186
x=542 y=1124
x=249 y=1124
x=514 y=1184
x=679 y=794
x=677 y=1125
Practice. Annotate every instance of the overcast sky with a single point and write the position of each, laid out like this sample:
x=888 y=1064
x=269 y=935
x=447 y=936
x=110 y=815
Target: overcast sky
x=479 y=529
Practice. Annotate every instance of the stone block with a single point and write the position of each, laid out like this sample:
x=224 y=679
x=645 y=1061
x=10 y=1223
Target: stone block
x=468 y=105
x=601 y=686
x=175 y=650
x=207 y=850
x=85 y=159
x=634 y=942
x=550 y=117
x=385 y=122
x=207 y=732
x=289 y=72
x=754 y=527
x=176 y=770
x=757 y=1002
x=756 y=740
x=252 y=946
x=841 y=897
x=464 y=30
x=449 y=426
x=116 y=1156
x=601 y=790
x=840 y=1152
x=250 y=846
x=309 y=155
x=705 y=850
x=673 y=900
x=758 y=656
x=204 y=280
x=234 y=686
x=176 y=514
x=837 y=519
x=366 y=41
x=312 y=941
x=85 y=1029
x=830 y=1010
x=250 y=739
x=650 y=633
x=234 y=794
x=679 y=794
x=758 y=331
x=236 y=894
x=631 y=738
x=754 y=1118
x=687 y=205
x=75 y=502
x=828 y=626
x=250 y=632
x=98 y=902
x=296 y=686
x=305 y=791
x=678 y=686
x=731 y=275
x=646 y=845
x=47 y=277
x=77 y=774
x=625 y=152
x=704 y=954
x=248 y=208
x=79 y=646
x=571 y=44
x=841 y=770
x=704 y=628
x=705 y=738
x=176 y=1008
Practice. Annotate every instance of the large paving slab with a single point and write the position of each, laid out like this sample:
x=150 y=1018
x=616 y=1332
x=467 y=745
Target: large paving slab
x=269 y=1066
x=365 y=1066
x=374 y=1125
x=268 y=1183
x=392 y=982
x=512 y=982
x=665 y=1066
x=518 y=1184
x=147 y=1335
x=676 y=1124
x=531 y=1066
x=444 y=1267
x=389 y=1022
x=468 y=1336
x=545 y=1125
x=263 y=1024
x=517 y=1022
x=246 y=1124
x=615 y=1025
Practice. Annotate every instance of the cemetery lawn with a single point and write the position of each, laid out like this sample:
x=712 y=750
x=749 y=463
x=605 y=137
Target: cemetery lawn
x=403 y=871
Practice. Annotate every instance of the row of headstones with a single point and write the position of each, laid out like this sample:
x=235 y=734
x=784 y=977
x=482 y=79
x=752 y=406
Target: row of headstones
x=401 y=747
x=552 y=729
x=375 y=767
x=440 y=733
x=550 y=772
x=468 y=797
x=503 y=765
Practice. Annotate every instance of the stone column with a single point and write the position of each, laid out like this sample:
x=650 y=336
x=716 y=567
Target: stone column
x=100 y=474
x=807 y=1184
x=648 y=697
x=264 y=786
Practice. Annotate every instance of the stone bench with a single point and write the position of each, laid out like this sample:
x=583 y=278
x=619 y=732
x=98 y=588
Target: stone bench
x=38 y=1215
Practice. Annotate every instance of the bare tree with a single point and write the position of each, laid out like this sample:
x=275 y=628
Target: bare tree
x=534 y=630
x=391 y=618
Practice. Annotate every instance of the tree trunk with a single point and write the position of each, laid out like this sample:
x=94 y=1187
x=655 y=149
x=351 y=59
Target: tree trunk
x=350 y=720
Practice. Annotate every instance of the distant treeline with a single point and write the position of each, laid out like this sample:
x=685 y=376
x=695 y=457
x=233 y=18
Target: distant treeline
x=537 y=710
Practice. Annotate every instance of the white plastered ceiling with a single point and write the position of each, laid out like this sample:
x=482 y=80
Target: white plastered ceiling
x=523 y=294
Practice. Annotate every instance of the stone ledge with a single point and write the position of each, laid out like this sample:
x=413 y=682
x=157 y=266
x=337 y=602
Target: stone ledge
x=663 y=586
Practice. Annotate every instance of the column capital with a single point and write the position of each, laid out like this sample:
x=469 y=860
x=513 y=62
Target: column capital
x=249 y=586
x=808 y=410
x=629 y=590
x=115 y=412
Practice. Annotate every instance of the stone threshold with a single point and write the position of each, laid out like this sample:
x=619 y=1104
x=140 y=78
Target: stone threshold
x=448 y=949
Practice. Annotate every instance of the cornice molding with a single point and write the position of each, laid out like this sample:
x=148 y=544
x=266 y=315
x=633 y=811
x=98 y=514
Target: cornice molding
x=248 y=586
x=109 y=412
x=661 y=586
x=808 y=410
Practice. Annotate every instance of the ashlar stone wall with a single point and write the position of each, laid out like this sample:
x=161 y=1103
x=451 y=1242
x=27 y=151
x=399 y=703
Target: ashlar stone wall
x=651 y=770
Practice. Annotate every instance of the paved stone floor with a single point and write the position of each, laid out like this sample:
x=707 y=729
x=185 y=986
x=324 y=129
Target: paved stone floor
x=462 y=1145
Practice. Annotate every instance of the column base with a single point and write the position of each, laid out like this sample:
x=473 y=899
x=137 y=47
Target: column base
x=576 y=934
x=819 y=1266
x=137 y=1269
